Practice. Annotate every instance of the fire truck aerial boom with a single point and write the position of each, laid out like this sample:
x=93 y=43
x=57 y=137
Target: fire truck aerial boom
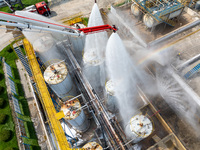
x=29 y=23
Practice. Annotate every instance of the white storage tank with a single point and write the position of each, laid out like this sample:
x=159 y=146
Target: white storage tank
x=75 y=115
x=135 y=10
x=139 y=127
x=94 y=69
x=149 y=21
x=92 y=146
x=197 y=5
x=58 y=78
x=111 y=101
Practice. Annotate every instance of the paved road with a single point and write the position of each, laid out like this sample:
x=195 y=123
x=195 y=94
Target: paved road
x=65 y=8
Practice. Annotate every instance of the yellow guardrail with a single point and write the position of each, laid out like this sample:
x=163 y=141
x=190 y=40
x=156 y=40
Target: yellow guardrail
x=73 y=21
x=70 y=20
x=48 y=105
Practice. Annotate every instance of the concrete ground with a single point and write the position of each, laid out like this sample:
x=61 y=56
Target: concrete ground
x=5 y=37
x=64 y=8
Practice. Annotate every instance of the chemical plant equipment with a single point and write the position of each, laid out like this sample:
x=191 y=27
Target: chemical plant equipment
x=24 y=23
x=58 y=78
x=92 y=146
x=139 y=127
x=111 y=101
x=75 y=115
x=157 y=12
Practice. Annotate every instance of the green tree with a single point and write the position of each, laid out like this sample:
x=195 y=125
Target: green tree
x=2 y=118
x=2 y=102
x=5 y=135
x=1 y=89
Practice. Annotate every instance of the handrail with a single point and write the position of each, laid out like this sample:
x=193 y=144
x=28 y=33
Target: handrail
x=45 y=98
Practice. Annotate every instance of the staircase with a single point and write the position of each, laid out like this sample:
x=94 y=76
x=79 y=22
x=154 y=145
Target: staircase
x=168 y=21
x=192 y=71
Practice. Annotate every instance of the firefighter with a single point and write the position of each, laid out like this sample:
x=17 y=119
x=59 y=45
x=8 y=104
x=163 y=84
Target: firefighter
x=114 y=28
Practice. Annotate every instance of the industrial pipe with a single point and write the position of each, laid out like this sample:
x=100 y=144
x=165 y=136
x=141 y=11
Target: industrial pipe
x=188 y=62
x=170 y=35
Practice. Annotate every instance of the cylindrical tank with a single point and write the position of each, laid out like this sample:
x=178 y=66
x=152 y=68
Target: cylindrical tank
x=139 y=127
x=111 y=101
x=197 y=5
x=75 y=115
x=149 y=21
x=58 y=78
x=92 y=146
x=135 y=10
x=94 y=69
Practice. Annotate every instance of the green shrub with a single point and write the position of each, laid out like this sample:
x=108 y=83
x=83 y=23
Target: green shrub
x=2 y=102
x=5 y=135
x=1 y=89
x=2 y=118
x=10 y=50
x=1 y=76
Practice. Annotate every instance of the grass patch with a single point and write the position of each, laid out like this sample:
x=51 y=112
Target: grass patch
x=120 y=4
x=26 y=3
x=85 y=21
x=10 y=58
x=9 y=124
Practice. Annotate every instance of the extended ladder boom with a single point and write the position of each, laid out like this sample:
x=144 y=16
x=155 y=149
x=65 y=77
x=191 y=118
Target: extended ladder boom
x=30 y=23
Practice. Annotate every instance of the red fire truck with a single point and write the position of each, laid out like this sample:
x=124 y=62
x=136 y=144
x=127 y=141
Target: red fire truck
x=41 y=8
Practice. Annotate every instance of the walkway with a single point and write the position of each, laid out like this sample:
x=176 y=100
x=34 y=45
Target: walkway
x=34 y=114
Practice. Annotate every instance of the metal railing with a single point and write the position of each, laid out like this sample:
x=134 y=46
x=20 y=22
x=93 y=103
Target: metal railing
x=45 y=98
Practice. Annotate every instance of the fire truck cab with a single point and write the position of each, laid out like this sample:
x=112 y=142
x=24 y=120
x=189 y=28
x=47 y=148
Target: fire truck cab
x=42 y=8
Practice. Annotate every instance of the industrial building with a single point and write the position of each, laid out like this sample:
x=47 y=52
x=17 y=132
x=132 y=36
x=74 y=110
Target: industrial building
x=127 y=81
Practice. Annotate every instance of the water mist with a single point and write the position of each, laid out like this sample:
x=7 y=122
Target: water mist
x=94 y=52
